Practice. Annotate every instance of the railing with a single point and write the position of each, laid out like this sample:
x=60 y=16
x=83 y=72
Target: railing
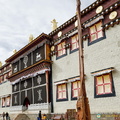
x=42 y=106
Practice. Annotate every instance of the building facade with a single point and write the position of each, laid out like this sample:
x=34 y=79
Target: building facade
x=5 y=88
x=47 y=69
x=30 y=78
x=100 y=29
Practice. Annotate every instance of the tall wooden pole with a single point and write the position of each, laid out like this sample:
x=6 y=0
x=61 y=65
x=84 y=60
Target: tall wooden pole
x=83 y=110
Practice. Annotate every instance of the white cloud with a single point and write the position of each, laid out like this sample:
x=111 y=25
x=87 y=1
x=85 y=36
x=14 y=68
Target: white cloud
x=20 y=18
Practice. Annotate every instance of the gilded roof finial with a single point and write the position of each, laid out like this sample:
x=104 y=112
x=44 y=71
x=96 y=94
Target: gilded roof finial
x=0 y=64
x=54 y=24
x=14 y=51
x=31 y=38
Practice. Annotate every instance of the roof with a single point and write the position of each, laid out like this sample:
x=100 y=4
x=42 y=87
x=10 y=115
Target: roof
x=28 y=46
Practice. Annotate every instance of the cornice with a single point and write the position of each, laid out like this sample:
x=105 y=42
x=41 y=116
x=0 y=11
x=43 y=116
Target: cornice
x=29 y=45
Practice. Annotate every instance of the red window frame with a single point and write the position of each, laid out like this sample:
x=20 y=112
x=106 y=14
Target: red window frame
x=103 y=84
x=76 y=42
x=96 y=31
x=77 y=88
x=62 y=91
x=62 y=49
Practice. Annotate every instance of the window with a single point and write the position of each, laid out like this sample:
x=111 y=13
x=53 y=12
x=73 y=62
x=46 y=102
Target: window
x=8 y=101
x=74 y=42
x=61 y=49
x=3 y=102
x=61 y=92
x=104 y=86
x=75 y=89
x=96 y=33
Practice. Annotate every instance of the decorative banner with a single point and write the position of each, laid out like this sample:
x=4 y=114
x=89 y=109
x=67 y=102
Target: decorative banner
x=26 y=84
x=25 y=61
x=15 y=99
x=39 y=80
x=15 y=87
x=40 y=95
x=30 y=75
x=102 y=72
x=39 y=54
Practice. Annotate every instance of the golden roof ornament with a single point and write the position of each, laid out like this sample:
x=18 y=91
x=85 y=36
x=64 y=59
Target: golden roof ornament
x=52 y=48
x=14 y=51
x=113 y=15
x=54 y=24
x=0 y=64
x=31 y=38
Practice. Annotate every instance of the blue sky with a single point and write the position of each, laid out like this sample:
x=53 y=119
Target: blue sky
x=20 y=18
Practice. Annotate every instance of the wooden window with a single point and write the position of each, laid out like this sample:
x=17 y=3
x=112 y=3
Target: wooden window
x=104 y=85
x=61 y=49
x=96 y=31
x=3 y=102
x=75 y=89
x=8 y=101
x=61 y=91
x=74 y=42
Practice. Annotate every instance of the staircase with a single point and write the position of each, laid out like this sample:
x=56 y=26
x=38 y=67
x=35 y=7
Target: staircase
x=22 y=117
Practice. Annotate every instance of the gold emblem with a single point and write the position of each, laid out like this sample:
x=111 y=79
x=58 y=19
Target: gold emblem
x=99 y=9
x=52 y=48
x=59 y=34
x=113 y=15
x=76 y=23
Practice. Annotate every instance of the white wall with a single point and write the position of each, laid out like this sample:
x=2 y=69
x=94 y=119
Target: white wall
x=101 y=55
x=5 y=89
x=98 y=56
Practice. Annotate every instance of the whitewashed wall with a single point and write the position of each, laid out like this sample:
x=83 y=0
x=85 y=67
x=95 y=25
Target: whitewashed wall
x=98 y=56
x=5 y=89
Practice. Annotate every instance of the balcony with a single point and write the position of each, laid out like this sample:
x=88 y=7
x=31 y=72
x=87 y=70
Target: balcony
x=45 y=107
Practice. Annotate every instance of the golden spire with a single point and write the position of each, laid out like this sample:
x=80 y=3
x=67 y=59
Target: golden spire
x=54 y=24
x=31 y=38
x=14 y=51
x=0 y=64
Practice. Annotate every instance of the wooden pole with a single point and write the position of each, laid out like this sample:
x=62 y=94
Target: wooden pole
x=83 y=111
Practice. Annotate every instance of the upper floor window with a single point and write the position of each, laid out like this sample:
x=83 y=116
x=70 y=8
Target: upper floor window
x=62 y=92
x=104 y=86
x=96 y=32
x=61 y=49
x=74 y=42
x=75 y=89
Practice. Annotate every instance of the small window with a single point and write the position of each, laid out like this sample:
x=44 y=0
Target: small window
x=61 y=92
x=74 y=42
x=8 y=101
x=104 y=86
x=3 y=102
x=61 y=49
x=75 y=89
x=96 y=33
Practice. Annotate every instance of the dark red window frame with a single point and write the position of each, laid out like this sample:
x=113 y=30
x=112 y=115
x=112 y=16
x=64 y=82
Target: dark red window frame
x=76 y=36
x=96 y=32
x=62 y=49
x=103 y=84
x=62 y=91
x=78 y=89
